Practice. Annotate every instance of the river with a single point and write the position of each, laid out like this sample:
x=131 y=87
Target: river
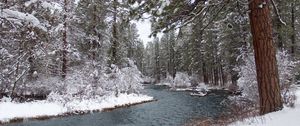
x=171 y=109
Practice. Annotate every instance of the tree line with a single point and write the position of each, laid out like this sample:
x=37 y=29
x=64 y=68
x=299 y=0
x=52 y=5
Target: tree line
x=213 y=37
x=42 y=39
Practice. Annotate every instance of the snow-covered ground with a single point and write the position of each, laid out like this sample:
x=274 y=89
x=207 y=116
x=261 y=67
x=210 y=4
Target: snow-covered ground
x=10 y=110
x=287 y=116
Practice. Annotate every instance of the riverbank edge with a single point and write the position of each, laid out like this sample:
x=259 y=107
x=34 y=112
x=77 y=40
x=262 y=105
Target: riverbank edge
x=78 y=112
x=252 y=117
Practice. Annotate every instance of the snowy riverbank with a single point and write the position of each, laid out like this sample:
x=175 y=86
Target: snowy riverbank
x=10 y=110
x=287 y=116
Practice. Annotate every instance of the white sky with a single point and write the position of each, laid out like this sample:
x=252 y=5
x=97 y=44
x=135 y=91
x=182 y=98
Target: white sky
x=144 y=30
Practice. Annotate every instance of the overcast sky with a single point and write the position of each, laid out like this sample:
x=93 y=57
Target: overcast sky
x=144 y=30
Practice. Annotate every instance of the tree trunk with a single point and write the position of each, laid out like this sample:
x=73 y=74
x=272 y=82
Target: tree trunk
x=265 y=59
x=114 y=33
x=94 y=43
x=172 y=57
x=205 y=76
x=216 y=71
x=157 y=62
x=293 y=36
x=234 y=77
x=224 y=76
x=216 y=76
x=65 y=43
x=211 y=75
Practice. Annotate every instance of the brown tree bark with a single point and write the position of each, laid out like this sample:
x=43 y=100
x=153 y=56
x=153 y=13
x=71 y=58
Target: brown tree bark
x=265 y=59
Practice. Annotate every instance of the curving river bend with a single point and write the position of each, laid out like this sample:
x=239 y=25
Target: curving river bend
x=171 y=109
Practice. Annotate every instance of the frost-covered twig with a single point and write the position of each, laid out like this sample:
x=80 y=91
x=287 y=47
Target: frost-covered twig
x=277 y=13
x=17 y=79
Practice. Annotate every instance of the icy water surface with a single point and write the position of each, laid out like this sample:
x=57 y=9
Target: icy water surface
x=171 y=109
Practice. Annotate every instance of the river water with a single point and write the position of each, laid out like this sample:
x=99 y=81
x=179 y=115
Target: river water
x=171 y=109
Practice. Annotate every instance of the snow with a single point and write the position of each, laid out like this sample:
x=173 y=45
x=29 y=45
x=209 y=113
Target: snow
x=192 y=1
x=107 y=102
x=76 y=2
x=10 y=110
x=28 y=3
x=163 y=5
x=182 y=80
x=200 y=88
x=247 y=81
x=200 y=94
x=19 y=17
x=53 y=6
x=287 y=116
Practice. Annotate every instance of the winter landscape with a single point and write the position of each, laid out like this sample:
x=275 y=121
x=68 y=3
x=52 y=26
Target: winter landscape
x=149 y=62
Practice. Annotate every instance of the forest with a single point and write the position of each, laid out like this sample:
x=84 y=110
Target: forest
x=77 y=57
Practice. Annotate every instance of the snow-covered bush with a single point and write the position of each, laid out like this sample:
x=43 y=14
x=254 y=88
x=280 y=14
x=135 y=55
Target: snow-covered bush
x=125 y=80
x=181 y=80
x=132 y=77
x=248 y=82
x=168 y=81
x=202 y=87
x=148 y=80
x=88 y=82
x=5 y=57
x=195 y=81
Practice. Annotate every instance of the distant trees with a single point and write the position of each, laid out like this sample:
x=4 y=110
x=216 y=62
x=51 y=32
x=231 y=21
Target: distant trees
x=46 y=44
x=199 y=46
x=91 y=32
x=167 y=54
x=285 y=27
x=218 y=32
